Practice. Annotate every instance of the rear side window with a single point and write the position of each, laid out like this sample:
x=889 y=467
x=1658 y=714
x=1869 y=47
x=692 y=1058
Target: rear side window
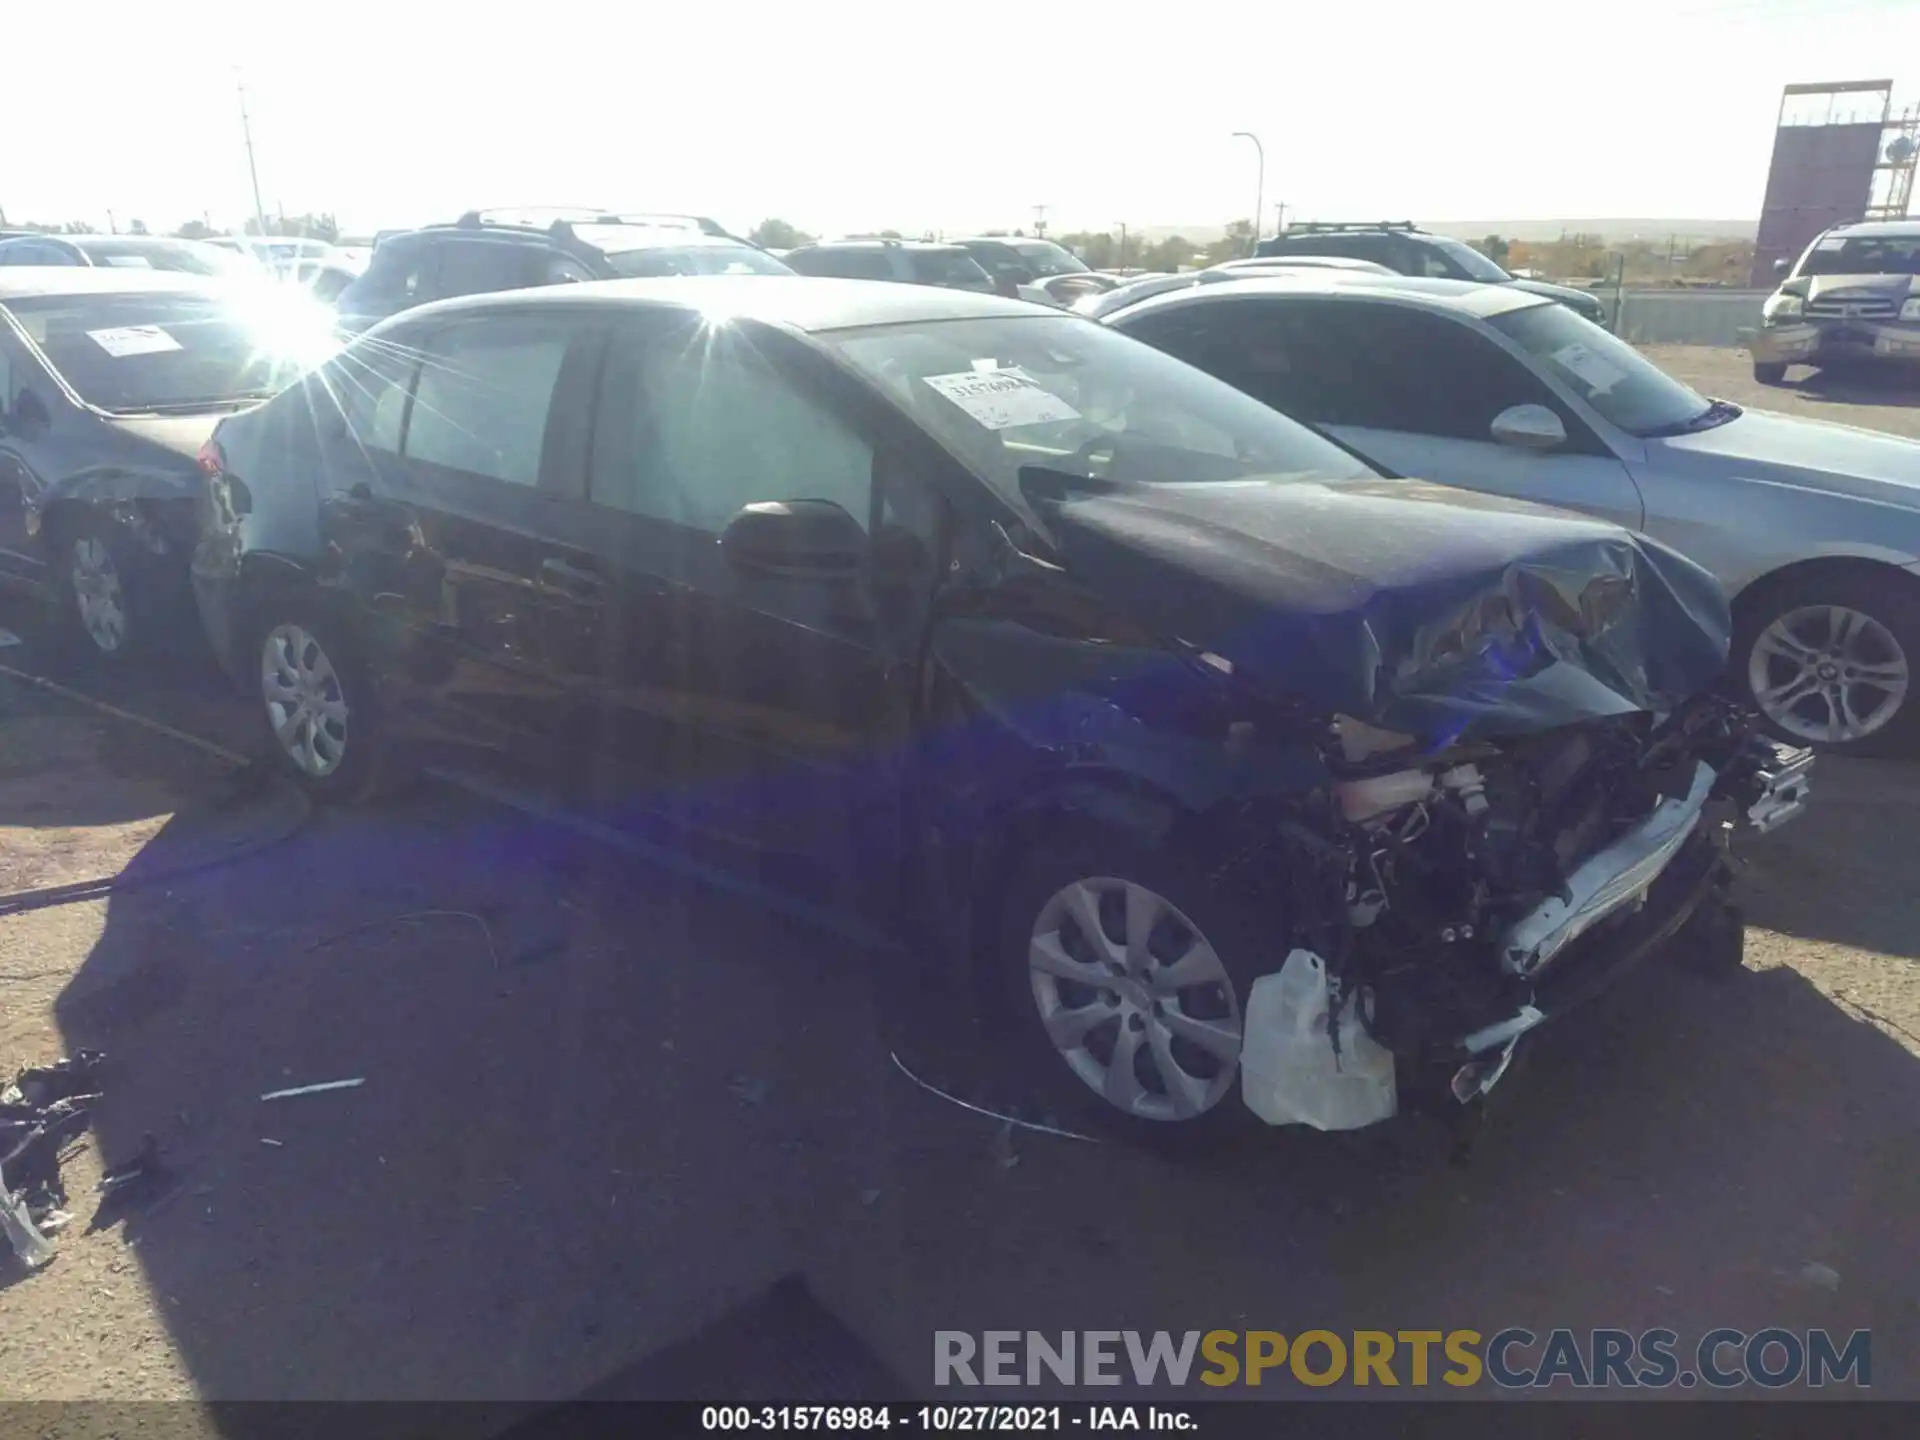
x=480 y=404
x=370 y=383
x=955 y=269
x=478 y=267
x=845 y=264
x=401 y=271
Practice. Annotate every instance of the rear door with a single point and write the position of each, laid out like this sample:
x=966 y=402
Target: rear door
x=1412 y=391
x=447 y=493
x=765 y=713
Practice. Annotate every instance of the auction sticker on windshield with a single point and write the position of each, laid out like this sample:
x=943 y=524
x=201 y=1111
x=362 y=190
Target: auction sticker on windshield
x=125 y=340
x=1002 y=399
x=1599 y=375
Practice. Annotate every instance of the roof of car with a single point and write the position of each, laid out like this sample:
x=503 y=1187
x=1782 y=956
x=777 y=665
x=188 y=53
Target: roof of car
x=19 y=282
x=798 y=302
x=880 y=244
x=1465 y=296
x=1886 y=229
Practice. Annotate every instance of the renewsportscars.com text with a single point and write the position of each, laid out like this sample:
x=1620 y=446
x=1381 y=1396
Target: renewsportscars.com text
x=1511 y=1359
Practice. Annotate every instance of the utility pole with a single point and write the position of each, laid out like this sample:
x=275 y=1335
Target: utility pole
x=1123 y=247
x=1279 y=216
x=253 y=172
x=112 y=229
x=1259 y=187
x=1040 y=221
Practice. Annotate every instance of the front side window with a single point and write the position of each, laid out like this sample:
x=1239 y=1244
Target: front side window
x=1045 y=258
x=1621 y=384
x=672 y=444
x=480 y=404
x=1450 y=259
x=146 y=352
x=1057 y=392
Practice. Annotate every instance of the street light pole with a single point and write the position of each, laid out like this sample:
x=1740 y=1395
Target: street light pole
x=1260 y=185
x=1123 y=246
x=253 y=172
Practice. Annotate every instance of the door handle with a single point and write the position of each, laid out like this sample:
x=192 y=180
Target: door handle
x=565 y=575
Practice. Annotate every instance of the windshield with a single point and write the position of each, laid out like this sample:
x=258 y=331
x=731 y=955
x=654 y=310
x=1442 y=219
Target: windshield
x=1072 y=396
x=695 y=260
x=1606 y=372
x=1045 y=258
x=1862 y=255
x=1470 y=261
x=181 y=259
x=134 y=353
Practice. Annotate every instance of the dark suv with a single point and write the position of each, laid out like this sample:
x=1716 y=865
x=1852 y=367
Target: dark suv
x=1105 y=684
x=916 y=262
x=1403 y=247
x=484 y=251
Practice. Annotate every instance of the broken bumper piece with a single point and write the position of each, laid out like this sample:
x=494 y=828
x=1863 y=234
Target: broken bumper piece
x=1607 y=881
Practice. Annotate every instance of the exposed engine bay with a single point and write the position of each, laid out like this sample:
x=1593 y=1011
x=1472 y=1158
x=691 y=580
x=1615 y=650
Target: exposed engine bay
x=1446 y=907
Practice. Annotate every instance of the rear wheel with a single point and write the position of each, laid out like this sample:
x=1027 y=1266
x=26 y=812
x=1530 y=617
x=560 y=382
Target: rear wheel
x=1831 y=659
x=1769 y=372
x=99 y=598
x=1126 y=973
x=317 y=708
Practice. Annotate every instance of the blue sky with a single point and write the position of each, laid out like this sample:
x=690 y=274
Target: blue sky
x=845 y=114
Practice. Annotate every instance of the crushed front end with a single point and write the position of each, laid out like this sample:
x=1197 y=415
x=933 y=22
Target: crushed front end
x=1456 y=904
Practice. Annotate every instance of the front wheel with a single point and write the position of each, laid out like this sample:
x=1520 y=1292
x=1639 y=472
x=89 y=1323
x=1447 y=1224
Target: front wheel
x=1126 y=973
x=317 y=709
x=1769 y=372
x=1830 y=661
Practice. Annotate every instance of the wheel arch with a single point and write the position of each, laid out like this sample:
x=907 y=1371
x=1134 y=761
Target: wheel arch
x=1762 y=588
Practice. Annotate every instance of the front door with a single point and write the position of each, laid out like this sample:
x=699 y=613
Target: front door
x=447 y=493
x=765 y=713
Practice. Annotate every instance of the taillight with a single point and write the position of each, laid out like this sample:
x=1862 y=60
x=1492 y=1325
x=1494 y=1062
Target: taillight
x=213 y=460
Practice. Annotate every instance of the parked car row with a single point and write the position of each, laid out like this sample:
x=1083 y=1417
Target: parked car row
x=1204 y=753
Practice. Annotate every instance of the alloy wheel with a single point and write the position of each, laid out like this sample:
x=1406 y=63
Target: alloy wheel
x=1828 y=673
x=1135 y=999
x=306 y=706
x=98 y=594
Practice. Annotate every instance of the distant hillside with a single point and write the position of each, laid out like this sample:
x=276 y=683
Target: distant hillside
x=1610 y=229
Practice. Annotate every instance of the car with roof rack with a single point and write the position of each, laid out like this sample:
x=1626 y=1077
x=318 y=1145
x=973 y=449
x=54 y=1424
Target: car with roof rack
x=911 y=262
x=515 y=248
x=1404 y=248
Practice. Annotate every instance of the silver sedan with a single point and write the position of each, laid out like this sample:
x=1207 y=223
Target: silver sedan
x=1813 y=528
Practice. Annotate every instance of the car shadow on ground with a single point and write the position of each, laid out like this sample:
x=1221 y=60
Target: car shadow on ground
x=1842 y=872
x=1867 y=385
x=600 y=1105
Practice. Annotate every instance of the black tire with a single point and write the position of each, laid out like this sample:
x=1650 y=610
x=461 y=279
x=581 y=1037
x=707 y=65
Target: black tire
x=1067 y=855
x=139 y=620
x=356 y=774
x=1890 y=598
x=1770 y=372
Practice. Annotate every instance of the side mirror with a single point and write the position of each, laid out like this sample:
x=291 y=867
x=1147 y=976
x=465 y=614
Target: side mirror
x=1781 y=267
x=1529 y=427
x=804 y=539
x=29 y=413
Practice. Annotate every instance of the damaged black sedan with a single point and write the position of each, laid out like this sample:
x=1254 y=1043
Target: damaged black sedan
x=1228 y=778
x=110 y=381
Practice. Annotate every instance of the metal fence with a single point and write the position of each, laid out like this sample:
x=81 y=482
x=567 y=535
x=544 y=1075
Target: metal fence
x=1684 y=317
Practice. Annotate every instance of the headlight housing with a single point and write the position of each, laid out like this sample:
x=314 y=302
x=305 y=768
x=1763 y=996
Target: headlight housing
x=1910 y=309
x=1783 y=307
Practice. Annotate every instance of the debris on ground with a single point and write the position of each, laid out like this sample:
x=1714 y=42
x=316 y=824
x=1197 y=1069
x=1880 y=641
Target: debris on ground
x=1821 y=1277
x=145 y=1165
x=315 y=1089
x=749 y=1091
x=43 y=1108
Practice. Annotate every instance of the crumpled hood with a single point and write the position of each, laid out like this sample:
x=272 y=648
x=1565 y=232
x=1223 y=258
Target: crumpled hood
x=1416 y=607
x=1817 y=454
x=182 y=434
